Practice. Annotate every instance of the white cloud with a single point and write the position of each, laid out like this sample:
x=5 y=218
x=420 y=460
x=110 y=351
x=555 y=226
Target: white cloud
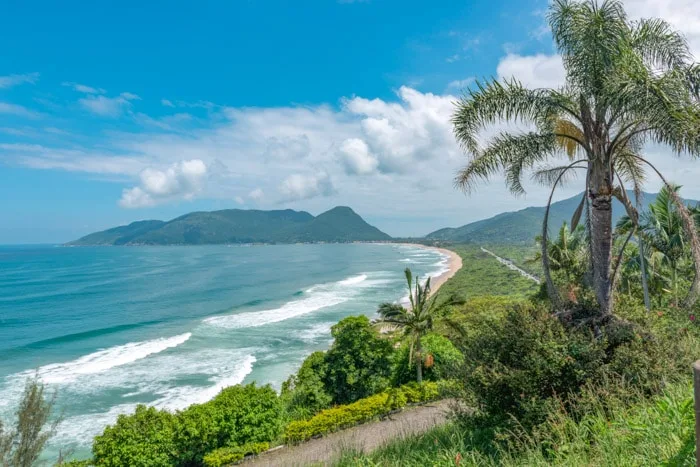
x=300 y=187
x=534 y=71
x=17 y=110
x=15 y=80
x=357 y=157
x=256 y=195
x=239 y=200
x=182 y=180
x=108 y=106
x=404 y=135
x=460 y=83
x=167 y=103
x=84 y=88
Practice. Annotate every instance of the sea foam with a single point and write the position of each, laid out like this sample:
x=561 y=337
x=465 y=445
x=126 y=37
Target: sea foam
x=315 y=298
x=103 y=360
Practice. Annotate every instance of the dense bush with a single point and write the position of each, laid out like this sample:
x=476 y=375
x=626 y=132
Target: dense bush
x=305 y=393
x=228 y=455
x=359 y=361
x=142 y=439
x=441 y=359
x=238 y=415
x=360 y=411
x=516 y=366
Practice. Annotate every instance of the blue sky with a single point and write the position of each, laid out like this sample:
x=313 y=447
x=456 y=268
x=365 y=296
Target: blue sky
x=117 y=111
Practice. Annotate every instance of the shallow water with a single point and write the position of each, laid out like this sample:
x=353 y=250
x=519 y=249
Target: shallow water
x=112 y=327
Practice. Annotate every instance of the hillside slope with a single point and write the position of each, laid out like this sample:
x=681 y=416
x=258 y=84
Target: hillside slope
x=521 y=227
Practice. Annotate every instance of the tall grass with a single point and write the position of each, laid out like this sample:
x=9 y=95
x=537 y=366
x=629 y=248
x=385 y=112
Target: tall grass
x=659 y=431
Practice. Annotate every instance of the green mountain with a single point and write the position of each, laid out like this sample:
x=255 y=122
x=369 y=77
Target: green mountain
x=521 y=227
x=340 y=224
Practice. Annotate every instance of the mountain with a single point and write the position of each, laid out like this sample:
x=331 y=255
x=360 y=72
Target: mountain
x=340 y=224
x=523 y=226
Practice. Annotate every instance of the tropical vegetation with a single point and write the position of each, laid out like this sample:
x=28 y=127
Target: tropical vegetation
x=626 y=83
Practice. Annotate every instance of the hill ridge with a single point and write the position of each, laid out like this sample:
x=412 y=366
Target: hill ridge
x=238 y=226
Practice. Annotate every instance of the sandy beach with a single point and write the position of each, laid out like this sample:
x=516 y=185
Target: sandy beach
x=454 y=264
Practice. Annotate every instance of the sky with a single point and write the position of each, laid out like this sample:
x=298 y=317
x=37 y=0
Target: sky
x=112 y=112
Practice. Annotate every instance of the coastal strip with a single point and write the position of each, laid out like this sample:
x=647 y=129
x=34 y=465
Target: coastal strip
x=454 y=264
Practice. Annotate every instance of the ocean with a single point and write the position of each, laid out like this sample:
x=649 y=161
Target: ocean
x=108 y=328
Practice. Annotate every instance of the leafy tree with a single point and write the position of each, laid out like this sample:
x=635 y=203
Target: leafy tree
x=304 y=393
x=150 y=437
x=626 y=83
x=359 y=361
x=142 y=439
x=415 y=322
x=21 y=446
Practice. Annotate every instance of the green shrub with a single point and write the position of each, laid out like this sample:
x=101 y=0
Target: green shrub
x=514 y=367
x=237 y=416
x=446 y=357
x=249 y=414
x=78 y=463
x=229 y=455
x=304 y=393
x=143 y=439
x=359 y=361
x=363 y=410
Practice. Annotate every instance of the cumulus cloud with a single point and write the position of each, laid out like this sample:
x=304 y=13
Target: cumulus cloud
x=357 y=157
x=534 y=71
x=167 y=103
x=460 y=83
x=108 y=106
x=15 y=80
x=306 y=186
x=182 y=180
x=407 y=133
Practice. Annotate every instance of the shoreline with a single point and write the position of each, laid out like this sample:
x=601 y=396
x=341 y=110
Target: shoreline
x=454 y=264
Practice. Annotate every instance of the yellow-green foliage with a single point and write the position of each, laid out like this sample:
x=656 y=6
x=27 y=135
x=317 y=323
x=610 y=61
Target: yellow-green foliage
x=363 y=410
x=229 y=455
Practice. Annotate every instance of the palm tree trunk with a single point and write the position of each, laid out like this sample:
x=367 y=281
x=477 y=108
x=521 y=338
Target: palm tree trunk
x=645 y=284
x=600 y=193
x=419 y=362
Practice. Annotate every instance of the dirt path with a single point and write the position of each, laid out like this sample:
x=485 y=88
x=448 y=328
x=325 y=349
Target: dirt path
x=365 y=437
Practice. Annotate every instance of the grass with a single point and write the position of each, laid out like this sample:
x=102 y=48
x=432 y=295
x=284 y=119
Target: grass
x=482 y=274
x=659 y=431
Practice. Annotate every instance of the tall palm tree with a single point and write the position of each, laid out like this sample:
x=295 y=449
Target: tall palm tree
x=627 y=83
x=416 y=321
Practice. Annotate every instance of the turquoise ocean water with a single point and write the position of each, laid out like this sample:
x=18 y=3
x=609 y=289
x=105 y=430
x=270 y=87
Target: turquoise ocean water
x=112 y=327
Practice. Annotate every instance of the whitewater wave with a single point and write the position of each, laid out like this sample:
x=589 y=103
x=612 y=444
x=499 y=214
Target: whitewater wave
x=314 y=299
x=103 y=360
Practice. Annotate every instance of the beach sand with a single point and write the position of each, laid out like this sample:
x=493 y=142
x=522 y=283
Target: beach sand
x=454 y=264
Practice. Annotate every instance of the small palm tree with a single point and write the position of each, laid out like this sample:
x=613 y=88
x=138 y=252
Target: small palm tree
x=568 y=253
x=416 y=321
x=661 y=228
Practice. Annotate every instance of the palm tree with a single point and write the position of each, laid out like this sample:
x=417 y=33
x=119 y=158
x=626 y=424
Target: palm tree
x=661 y=228
x=567 y=253
x=627 y=83
x=416 y=321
